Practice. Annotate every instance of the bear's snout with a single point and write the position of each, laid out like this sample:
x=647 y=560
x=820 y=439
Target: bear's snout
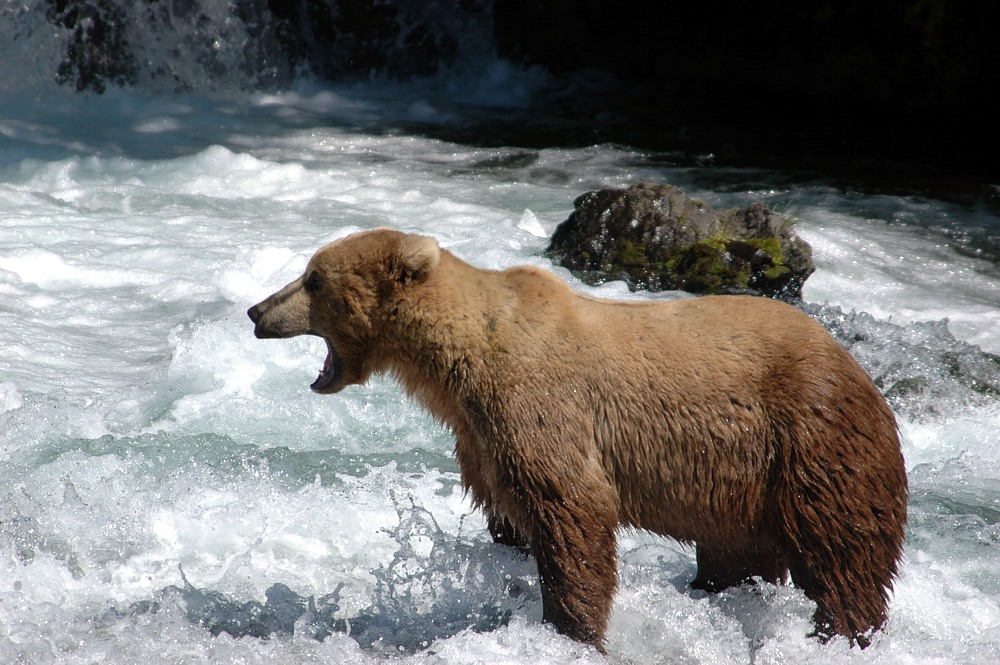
x=262 y=329
x=282 y=314
x=256 y=313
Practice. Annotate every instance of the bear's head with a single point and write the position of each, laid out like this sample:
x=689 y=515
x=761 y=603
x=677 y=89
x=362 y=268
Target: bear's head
x=346 y=295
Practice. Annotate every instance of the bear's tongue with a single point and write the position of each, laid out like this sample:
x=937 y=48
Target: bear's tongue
x=329 y=372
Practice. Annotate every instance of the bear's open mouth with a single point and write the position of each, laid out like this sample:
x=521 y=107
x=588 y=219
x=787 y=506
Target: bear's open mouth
x=331 y=372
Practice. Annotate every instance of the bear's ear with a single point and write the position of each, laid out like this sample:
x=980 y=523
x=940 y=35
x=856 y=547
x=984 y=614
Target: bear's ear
x=418 y=256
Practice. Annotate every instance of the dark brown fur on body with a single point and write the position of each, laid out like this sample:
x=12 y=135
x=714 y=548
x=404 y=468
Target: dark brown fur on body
x=734 y=423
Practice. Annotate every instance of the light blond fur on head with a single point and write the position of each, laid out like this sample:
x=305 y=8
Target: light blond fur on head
x=419 y=254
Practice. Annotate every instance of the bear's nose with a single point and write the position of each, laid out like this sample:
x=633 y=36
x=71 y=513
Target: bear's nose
x=254 y=313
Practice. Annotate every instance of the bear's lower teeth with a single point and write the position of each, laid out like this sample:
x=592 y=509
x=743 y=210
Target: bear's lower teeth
x=328 y=374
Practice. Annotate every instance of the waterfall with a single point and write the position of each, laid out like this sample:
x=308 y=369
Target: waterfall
x=185 y=45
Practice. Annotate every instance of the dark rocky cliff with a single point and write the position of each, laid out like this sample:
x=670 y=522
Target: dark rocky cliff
x=896 y=80
x=899 y=77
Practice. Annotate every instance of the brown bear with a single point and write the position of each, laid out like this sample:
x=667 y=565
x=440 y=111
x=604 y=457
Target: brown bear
x=731 y=422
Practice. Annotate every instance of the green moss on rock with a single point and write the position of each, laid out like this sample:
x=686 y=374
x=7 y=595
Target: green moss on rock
x=633 y=255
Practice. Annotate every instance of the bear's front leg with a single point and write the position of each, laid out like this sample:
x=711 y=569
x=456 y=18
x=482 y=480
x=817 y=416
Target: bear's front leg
x=575 y=547
x=504 y=533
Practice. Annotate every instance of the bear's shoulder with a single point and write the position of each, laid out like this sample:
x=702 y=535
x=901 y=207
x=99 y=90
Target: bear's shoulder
x=531 y=281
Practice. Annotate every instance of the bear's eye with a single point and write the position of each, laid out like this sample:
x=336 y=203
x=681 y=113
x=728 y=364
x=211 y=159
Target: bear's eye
x=314 y=281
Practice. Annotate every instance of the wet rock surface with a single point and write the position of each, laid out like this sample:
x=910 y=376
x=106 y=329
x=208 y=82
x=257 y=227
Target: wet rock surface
x=657 y=238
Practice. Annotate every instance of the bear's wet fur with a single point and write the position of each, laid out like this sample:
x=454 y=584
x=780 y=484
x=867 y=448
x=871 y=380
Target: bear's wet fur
x=734 y=423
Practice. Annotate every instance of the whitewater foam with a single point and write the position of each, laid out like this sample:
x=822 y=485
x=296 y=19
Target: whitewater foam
x=168 y=476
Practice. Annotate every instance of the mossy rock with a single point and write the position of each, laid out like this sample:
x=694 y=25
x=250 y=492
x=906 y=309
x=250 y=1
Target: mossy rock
x=657 y=238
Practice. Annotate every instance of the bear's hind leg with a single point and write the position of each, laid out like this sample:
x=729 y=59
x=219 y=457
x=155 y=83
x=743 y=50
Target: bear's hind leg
x=723 y=567
x=843 y=514
x=850 y=584
x=853 y=609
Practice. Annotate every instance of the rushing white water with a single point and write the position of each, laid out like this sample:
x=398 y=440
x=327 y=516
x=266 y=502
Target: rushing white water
x=171 y=491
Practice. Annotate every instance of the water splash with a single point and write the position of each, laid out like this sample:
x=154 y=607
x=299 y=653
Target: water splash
x=921 y=368
x=436 y=586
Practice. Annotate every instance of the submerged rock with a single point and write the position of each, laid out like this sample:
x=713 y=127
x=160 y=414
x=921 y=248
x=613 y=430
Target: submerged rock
x=657 y=238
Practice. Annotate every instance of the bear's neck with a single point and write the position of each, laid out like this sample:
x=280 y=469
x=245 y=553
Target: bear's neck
x=445 y=337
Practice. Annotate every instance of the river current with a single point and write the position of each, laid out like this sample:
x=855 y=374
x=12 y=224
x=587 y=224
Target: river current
x=171 y=491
